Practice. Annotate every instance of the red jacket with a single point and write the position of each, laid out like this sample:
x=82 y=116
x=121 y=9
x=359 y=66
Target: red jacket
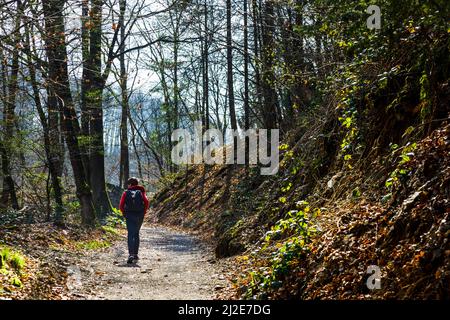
x=122 y=200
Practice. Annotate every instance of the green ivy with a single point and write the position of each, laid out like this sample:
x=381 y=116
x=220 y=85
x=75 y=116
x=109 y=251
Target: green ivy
x=296 y=233
x=403 y=169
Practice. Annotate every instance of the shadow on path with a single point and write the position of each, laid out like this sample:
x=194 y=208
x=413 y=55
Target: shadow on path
x=172 y=266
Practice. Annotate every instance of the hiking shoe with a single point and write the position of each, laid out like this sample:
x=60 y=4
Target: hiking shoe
x=130 y=259
x=136 y=258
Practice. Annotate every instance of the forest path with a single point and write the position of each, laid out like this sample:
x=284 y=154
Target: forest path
x=173 y=265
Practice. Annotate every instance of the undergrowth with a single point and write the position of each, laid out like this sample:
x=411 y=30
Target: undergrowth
x=12 y=266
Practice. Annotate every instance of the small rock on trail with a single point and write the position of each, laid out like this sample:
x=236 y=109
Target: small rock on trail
x=172 y=266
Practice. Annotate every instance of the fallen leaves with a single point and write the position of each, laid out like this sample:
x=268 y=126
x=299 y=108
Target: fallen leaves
x=49 y=250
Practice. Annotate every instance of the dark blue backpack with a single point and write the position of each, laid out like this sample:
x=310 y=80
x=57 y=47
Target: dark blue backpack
x=134 y=202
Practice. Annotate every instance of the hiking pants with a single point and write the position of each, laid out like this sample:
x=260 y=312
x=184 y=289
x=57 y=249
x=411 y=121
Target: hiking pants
x=134 y=223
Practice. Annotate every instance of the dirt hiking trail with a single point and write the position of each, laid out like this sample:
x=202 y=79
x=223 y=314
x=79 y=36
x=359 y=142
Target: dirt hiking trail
x=173 y=265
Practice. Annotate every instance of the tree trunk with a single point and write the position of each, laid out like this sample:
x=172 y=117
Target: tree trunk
x=53 y=158
x=9 y=189
x=94 y=96
x=175 y=113
x=270 y=113
x=8 y=182
x=124 y=151
x=59 y=80
x=205 y=69
x=299 y=89
x=85 y=82
x=176 y=90
x=230 y=70
x=136 y=152
x=256 y=43
x=246 y=89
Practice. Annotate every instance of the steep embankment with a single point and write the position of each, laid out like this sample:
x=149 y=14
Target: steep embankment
x=363 y=181
x=353 y=218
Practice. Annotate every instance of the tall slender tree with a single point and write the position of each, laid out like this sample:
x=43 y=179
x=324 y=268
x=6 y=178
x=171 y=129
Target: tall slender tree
x=256 y=53
x=270 y=99
x=246 y=81
x=49 y=128
x=230 y=82
x=206 y=66
x=124 y=151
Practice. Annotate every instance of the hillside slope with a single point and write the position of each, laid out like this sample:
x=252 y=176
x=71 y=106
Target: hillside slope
x=363 y=184
x=353 y=221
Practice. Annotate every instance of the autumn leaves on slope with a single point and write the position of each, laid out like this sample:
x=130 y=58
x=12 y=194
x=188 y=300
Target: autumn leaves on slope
x=362 y=219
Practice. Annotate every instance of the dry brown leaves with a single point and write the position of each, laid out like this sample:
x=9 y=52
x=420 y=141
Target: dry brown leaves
x=49 y=250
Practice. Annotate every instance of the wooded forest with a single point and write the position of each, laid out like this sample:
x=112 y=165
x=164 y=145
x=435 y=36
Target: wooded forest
x=92 y=90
